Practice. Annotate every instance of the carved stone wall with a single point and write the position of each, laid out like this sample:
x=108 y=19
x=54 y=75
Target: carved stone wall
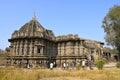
x=33 y=40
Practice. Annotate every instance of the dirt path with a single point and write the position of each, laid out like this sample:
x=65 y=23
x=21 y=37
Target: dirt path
x=110 y=65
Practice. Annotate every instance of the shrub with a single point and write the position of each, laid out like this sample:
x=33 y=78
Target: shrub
x=100 y=63
x=118 y=65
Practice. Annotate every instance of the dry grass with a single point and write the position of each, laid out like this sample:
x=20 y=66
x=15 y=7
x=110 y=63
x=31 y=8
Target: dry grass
x=58 y=74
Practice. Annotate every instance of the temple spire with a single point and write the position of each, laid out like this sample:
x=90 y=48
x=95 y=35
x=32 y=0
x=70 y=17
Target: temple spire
x=34 y=17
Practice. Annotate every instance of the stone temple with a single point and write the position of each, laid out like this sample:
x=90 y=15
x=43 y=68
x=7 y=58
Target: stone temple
x=33 y=44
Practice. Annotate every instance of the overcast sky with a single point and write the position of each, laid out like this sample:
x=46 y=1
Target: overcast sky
x=82 y=17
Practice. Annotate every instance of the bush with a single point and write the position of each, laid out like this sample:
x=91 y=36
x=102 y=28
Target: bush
x=118 y=65
x=100 y=63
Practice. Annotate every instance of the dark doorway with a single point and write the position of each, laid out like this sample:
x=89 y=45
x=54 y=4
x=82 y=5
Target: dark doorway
x=38 y=50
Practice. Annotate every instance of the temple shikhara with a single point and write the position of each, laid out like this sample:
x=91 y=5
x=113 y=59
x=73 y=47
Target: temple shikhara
x=33 y=44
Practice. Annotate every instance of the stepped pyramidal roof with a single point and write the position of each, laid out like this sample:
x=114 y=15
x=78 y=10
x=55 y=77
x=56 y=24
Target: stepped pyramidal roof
x=32 y=26
x=33 y=29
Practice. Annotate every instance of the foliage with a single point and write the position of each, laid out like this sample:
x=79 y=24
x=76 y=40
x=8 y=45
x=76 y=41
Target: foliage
x=111 y=25
x=118 y=65
x=114 y=51
x=100 y=63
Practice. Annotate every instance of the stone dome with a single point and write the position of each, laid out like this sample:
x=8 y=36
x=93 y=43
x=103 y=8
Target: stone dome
x=32 y=26
x=33 y=29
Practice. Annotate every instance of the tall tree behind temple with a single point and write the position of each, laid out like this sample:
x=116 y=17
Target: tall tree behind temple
x=111 y=25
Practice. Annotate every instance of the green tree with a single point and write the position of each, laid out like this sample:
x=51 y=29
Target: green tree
x=111 y=25
x=100 y=63
x=114 y=51
x=118 y=65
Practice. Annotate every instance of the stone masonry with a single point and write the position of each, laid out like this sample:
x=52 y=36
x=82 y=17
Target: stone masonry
x=33 y=44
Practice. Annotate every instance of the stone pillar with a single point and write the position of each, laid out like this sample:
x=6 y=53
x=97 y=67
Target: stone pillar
x=35 y=48
x=20 y=48
x=82 y=50
x=32 y=48
x=41 y=50
x=30 y=51
x=54 y=49
x=76 y=48
x=68 y=49
x=65 y=48
x=45 y=48
x=72 y=45
x=28 y=47
x=101 y=51
x=25 y=47
x=16 y=48
x=48 y=48
x=23 y=43
x=12 y=49
x=62 y=53
x=18 y=43
x=58 y=47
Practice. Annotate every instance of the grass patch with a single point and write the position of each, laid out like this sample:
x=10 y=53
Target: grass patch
x=46 y=74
